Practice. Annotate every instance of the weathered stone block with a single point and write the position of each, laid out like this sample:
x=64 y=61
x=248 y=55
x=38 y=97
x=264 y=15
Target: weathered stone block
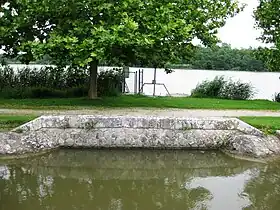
x=49 y=132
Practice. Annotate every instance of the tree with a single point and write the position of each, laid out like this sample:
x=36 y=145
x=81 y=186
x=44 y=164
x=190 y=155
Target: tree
x=226 y=58
x=87 y=32
x=267 y=17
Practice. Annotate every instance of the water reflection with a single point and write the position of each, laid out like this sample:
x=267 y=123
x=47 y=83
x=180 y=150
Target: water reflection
x=4 y=172
x=264 y=190
x=229 y=189
x=128 y=180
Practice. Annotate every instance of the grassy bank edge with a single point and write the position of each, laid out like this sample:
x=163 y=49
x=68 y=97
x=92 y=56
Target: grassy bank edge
x=269 y=125
x=8 y=122
x=138 y=102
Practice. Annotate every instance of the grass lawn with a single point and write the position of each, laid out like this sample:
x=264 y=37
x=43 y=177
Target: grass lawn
x=8 y=122
x=138 y=101
x=267 y=124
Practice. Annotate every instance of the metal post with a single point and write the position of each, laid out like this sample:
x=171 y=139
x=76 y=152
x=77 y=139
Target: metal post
x=166 y=90
x=135 y=82
x=142 y=79
x=139 y=80
x=154 y=81
x=123 y=82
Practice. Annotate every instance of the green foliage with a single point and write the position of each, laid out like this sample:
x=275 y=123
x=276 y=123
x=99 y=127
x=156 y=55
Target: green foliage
x=50 y=77
x=110 y=82
x=8 y=122
x=226 y=58
x=221 y=88
x=46 y=60
x=277 y=97
x=270 y=56
x=209 y=89
x=179 y=66
x=86 y=32
x=267 y=17
x=268 y=125
x=31 y=92
x=53 y=82
x=236 y=90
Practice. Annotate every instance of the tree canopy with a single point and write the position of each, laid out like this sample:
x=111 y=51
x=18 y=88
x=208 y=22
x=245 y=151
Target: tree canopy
x=225 y=58
x=87 y=32
x=267 y=17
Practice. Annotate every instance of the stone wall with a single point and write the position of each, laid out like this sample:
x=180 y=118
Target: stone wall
x=48 y=132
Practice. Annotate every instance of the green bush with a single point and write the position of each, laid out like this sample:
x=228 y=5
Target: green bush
x=77 y=92
x=53 y=82
x=11 y=92
x=277 y=97
x=237 y=91
x=32 y=92
x=209 y=89
x=43 y=92
x=110 y=82
x=221 y=88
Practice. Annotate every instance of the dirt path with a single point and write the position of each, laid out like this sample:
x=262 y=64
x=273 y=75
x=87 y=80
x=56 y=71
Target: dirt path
x=150 y=111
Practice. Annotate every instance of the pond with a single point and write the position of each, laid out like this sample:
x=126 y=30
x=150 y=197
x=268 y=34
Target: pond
x=138 y=179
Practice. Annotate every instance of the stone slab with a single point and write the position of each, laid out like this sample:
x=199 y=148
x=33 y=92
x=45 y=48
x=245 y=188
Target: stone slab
x=48 y=132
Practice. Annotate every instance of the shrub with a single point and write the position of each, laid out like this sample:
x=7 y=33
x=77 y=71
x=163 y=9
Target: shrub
x=8 y=78
x=209 y=89
x=43 y=92
x=110 y=82
x=51 y=82
x=77 y=91
x=277 y=97
x=31 y=92
x=236 y=90
x=10 y=92
x=221 y=88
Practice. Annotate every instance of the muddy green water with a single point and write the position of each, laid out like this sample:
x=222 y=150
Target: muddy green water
x=138 y=179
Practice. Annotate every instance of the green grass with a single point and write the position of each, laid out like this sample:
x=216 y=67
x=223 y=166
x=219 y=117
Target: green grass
x=138 y=101
x=267 y=124
x=8 y=122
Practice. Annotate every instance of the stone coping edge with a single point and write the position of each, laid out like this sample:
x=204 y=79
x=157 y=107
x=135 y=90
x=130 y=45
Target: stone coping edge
x=145 y=122
x=94 y=131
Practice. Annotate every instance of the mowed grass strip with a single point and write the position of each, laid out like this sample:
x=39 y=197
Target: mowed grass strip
x=8 y=122
x=138 y=101
x=268 y=125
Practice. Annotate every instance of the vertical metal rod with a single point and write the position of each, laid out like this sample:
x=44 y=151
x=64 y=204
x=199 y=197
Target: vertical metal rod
x=154 y=81
x=139 y=81
x=123 y=82
x=135 y=82
x=142 y=79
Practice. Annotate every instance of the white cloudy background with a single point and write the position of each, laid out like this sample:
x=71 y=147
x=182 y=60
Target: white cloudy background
x=239 y=31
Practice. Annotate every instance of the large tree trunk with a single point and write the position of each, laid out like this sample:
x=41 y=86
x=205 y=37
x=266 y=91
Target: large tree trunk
x=92 y=93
